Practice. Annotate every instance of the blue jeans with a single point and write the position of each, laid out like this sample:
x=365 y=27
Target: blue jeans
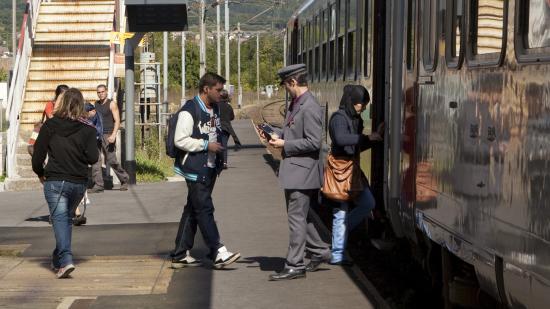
x=344 y=221
x=63 y=198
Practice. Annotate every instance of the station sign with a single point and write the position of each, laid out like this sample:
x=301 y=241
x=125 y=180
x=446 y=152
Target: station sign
x=156 y=15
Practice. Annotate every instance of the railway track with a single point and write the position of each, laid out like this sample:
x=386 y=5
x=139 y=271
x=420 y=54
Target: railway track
x=273 y=113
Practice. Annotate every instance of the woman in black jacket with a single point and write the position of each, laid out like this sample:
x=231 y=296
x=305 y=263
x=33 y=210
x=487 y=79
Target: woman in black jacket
x=348 y=140
x=69 y=141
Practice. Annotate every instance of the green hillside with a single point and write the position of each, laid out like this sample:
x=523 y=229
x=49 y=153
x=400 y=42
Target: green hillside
x=5 y=20
x=276 y=14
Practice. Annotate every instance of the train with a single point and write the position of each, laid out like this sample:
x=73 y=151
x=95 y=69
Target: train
x=463 y=88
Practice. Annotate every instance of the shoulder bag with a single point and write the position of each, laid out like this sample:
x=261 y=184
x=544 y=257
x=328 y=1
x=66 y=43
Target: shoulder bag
x=343 y=179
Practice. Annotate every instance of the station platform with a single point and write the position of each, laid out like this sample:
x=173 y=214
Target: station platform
x=122 y=259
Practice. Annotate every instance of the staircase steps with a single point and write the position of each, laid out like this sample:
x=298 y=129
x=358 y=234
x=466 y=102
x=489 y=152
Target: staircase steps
x=71 y=47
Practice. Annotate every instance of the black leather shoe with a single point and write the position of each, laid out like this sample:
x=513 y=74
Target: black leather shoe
x=288 y=274
x=313 y=265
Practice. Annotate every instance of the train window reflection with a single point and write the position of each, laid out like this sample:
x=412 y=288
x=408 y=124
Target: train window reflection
x=457 y=28
x=538 y=24
x=352 y=24
x=488 y=23
x=351 y=39
x=454 y=25
x=331 y=47
x=429 y=34
x=341 y=35
x=411 y=37
x=316 y=53
x=367 y=25
x=311 y=34
x=325 y=32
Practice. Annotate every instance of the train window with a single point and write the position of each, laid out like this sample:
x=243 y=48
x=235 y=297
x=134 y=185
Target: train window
x=454 y=24
x=332 y=44
x=311 y=32
x=316 y=56
x=351 y=39
x=538 y=24
x=324 y=35
x=532 y=41
x=341 y=35
x=367 y=26
x=429 y=34
x=304 y=45
x=411 y=34
x=486 y=33
x=304 y=52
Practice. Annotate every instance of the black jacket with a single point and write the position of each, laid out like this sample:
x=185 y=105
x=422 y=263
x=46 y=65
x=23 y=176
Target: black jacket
x=226 y=116
x=71 y=146
x=346 y=139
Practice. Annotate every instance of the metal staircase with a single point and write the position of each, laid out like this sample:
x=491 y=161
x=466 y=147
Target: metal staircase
x=70 y=46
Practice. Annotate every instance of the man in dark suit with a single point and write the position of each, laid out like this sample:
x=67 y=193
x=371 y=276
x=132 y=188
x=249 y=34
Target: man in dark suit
x=300 y=173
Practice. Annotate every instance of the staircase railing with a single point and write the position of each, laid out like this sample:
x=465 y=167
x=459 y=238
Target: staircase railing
x=18 y=81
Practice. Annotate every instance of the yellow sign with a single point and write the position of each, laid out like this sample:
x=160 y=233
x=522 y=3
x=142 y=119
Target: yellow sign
x=119 y=37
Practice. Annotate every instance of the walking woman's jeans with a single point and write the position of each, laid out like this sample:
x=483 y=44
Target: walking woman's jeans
x=344 y=221
x=63 y=198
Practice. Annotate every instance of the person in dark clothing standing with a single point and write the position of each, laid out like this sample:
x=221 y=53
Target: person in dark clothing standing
x=348 y=141
x=69 y=141
x=108 y=110
x=226 y=116
x=300 y=173
x=200 y=161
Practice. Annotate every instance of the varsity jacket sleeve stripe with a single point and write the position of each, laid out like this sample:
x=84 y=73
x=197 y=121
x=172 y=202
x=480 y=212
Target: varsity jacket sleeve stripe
x=184 y=131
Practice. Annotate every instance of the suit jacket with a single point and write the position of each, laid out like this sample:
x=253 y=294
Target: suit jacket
x=302 y=132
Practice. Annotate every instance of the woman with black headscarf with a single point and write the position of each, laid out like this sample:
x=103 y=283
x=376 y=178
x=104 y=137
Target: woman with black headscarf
x=345 y=129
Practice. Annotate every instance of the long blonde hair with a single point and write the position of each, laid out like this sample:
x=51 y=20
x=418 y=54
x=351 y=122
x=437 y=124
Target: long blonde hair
x=70 y=105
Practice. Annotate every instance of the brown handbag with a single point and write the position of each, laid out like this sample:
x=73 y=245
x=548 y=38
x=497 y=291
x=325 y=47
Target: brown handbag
x=343 y=179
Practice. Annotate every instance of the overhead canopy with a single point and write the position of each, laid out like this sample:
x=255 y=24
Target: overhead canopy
x=156 y=15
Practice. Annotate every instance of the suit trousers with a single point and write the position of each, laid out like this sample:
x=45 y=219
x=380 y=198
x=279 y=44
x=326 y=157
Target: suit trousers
x=199 y=211
x=303 y=233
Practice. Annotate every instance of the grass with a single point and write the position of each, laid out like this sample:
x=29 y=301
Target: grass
x=152 y=169
x=2 y=178
x=152 y=163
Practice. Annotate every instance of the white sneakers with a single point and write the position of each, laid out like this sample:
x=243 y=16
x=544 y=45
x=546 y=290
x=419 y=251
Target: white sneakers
x=224 y=258
x=187 y=261
x=64 y=272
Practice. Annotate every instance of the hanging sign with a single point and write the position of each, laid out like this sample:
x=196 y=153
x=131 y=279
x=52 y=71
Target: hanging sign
x=119 y=37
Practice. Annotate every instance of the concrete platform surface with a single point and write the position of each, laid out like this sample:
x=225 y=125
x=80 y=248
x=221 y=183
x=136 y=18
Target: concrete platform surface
x=121 y=254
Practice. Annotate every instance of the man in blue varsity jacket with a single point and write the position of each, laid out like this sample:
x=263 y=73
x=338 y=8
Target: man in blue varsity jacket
x=198 y=136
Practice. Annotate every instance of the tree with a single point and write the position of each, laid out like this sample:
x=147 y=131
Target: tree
x=3 y=75
x=271 y=59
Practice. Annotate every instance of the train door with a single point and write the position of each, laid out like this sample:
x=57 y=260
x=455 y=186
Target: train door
x=408 y=118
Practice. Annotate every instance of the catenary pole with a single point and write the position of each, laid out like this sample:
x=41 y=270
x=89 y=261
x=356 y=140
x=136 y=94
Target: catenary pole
x=258 y=67
x=240 y=96
x=226 y=21
x=218 y=42
x=202 y=52
x=13 y=36
x=164 y=103
x=182 y=67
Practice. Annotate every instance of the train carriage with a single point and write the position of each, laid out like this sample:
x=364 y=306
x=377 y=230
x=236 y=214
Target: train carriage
x=465 y=169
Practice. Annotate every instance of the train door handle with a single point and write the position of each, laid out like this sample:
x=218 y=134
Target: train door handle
x=453 y=104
